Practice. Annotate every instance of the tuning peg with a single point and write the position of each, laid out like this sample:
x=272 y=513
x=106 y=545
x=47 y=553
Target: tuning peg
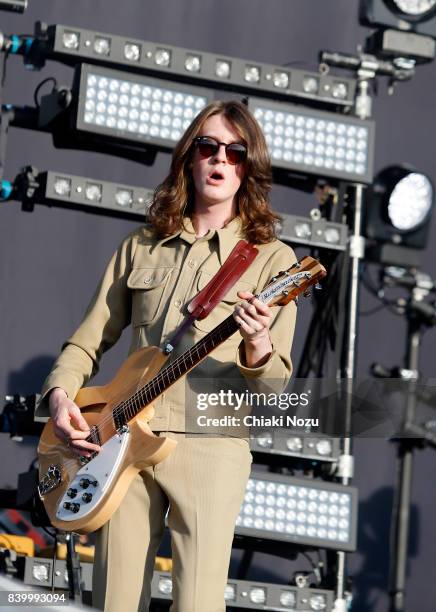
x=297 y=264
x=318 y=286
x=306 y=294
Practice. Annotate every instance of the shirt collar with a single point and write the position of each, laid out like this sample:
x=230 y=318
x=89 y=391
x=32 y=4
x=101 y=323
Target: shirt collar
x=228 y=236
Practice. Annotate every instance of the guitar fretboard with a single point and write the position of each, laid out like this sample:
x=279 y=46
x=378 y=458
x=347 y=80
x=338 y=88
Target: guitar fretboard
x=128 y=409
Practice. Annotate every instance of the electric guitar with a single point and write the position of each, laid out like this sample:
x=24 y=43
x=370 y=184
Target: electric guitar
x=81 y=493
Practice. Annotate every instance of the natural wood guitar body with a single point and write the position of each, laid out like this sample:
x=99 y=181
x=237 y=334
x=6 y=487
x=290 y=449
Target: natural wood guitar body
x=142 y=449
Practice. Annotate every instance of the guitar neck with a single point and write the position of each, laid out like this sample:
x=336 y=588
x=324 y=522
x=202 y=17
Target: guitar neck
x=128 y=409
x=306 y=273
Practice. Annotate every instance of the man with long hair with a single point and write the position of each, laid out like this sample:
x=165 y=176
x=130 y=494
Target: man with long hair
x=216 y=193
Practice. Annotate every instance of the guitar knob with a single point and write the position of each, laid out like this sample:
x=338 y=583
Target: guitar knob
x=74 y=507
x=84 y=483
x=72 y=493
x=87 y=497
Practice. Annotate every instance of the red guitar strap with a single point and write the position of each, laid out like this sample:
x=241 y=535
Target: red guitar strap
x=201 y=305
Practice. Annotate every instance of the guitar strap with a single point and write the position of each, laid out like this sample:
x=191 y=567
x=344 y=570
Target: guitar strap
x=201 y=305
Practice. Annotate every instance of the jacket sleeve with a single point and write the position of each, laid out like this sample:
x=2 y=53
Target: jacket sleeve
x=276 y=372
x=107 y=315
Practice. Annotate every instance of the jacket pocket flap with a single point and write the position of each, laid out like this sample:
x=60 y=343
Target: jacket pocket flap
x=147 y=278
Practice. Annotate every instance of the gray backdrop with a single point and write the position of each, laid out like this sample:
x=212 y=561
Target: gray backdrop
x=51 y=259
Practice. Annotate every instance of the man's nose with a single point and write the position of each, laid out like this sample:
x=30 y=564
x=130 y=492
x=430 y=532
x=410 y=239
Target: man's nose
x=221 y=155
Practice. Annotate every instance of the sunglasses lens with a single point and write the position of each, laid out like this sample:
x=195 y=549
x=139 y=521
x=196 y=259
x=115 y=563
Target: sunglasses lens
x=236 y=153
x=207 y=147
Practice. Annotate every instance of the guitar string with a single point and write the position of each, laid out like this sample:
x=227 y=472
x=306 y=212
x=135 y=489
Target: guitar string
x=161 y=376
x=178 y=361
x=130 y=402
x=181 y=359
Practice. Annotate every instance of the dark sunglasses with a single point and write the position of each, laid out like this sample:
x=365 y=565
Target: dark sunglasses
x=236 y=152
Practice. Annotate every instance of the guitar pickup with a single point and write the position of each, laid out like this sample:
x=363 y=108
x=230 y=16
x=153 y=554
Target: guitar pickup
x=50 y=481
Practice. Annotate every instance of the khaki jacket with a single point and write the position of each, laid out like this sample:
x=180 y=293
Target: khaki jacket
x=148 y=283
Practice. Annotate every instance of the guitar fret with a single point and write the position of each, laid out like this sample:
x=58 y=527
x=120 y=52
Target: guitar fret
x=130 y=407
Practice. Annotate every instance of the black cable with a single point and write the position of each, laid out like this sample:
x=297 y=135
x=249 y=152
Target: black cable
x=38 y=87
x=55 y=552
x=315 y=569
x=52 y=535
x=369 y=284
x=322 y=328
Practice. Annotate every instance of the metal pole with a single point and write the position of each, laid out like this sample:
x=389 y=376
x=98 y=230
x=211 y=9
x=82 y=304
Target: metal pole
x=348 y=369
x=401 y=519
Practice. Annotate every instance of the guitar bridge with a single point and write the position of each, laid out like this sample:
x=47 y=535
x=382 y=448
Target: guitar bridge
x=50 y=481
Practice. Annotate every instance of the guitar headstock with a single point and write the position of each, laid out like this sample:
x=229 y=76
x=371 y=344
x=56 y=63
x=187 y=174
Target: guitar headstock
x=289 y=284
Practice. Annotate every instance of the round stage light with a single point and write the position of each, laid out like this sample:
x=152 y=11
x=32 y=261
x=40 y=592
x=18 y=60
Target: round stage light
x=410 y=202
x=398 y=211
x=415 y=7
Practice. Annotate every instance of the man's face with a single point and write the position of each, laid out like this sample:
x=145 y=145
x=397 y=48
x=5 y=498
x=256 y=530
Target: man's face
x=216 y=180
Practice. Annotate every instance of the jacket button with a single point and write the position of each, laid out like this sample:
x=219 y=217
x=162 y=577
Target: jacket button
x=147 y=280
x=191 y=263
x=177 y=303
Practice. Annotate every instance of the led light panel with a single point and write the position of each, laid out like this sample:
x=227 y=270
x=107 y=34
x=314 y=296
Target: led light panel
x=69 y=44
x=316 y=142
x=136 y=108
x=294 y=444
x=101 y=196
x=257 y=595
x=313 y=232
x=309 y=512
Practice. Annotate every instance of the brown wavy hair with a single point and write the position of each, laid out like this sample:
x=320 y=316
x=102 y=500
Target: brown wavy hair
x=174 y=197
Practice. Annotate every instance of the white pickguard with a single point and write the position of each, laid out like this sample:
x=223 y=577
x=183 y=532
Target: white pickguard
x=103 y=469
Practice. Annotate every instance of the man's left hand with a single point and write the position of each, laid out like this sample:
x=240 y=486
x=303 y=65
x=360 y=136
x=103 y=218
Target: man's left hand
x=253 y=317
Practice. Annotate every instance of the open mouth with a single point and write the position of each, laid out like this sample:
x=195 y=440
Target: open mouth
x=215 y=178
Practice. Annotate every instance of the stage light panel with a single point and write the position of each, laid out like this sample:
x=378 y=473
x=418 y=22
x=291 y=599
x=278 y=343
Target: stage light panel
x=258 y=595
x=316 y=142
x=238 y=593
x=318 y=233
x=98 y=196
x=215 y=70
x=136 y=108
x=307 y=512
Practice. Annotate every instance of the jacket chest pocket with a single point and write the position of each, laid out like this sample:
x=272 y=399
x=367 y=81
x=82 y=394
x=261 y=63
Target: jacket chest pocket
x=224 y=308
x=148 y=287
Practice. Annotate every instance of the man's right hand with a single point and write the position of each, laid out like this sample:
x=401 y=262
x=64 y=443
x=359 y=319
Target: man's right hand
x=69 y=425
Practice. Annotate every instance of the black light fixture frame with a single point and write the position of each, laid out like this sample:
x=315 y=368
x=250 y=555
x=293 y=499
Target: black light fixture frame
x=387 y=14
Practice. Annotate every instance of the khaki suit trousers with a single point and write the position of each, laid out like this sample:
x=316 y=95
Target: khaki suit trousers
x=202 y=485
